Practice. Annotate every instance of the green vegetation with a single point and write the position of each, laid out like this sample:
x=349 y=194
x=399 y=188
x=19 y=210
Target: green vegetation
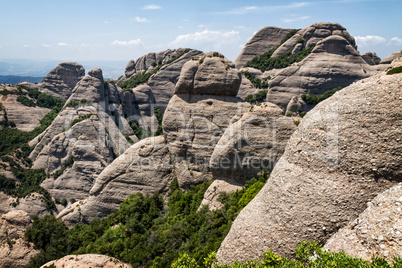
x=26 y=101
x=143 y=231
x=308 y=254
x=256 y=81
x=138 y=130
x=75 y=103
x=142 y=78
x=258 y=97
x=80 y=118
x=69 y=163
x=41 y=99
x=395 y=70
x=314 y=99
x=159 y=117
x=265 y=62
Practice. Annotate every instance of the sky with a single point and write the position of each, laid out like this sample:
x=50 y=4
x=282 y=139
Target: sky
x=120 y=30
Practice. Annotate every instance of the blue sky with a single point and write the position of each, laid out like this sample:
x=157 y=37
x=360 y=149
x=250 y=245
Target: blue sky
x=121 y=30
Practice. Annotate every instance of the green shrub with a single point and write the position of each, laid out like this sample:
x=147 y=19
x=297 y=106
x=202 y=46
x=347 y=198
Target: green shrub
x=26 y=101
x=159 y=117
x=80 y=118
x=256 y=81
x=258 y=97
x=315 y=99
x=395 y=70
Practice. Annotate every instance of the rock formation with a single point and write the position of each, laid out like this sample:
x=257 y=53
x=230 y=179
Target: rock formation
x=145 y=167
x=25 y=118
x=376 y=231
x=82 y=140
x=333 y=62
x=15 y=251
x=265 y=39
x=371 y=58
x=61 y=81
x=87 y=260
x=203 y=106
x=344 y=153
x=390 y=58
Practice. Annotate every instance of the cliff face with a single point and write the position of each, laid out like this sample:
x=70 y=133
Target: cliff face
x=344 y=153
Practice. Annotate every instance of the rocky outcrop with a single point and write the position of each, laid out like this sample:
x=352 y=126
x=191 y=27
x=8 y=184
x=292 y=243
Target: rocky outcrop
x=344 y=153
x=333 y=62
x=25 y=118
x=32 y=204
x=203 y=106
x=390 y=58
x=61 y=81
x=15 y=251
x=87 y=260
x=83 y=139
x=265 y=39
x=217 y=187
x=145 y=167
x=376 y=231
x=253 y=143
x=371 y=58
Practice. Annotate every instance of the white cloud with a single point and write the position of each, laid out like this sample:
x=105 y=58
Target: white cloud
x=395 y=41
x=26 y=46
x=370 y=40
x=151 y=7
x=296 y=19
x=141 y=20
x=263 y=9
x=119 y=43
x=217 y=39
x=61 y=44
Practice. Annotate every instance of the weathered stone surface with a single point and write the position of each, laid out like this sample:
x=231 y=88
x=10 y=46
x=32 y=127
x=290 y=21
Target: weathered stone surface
x=216 y=188
x=391 y=57
x=61 y=81
x=371 y=58
x=376 y=231
x=15 y=251
x=344 y=153
x=253 y=143
x=265 y=39
x=25 y=118
x=210 y=75
x=333 y=62
x=145 y=167
x=92 y=142
x=32 y=204
x=87 y=260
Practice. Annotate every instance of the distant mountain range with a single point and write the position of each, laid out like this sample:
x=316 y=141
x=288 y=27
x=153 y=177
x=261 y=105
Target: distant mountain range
x=40 y=68
x=13 y=79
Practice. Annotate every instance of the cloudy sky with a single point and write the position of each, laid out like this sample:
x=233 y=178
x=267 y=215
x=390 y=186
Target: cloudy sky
x=82 y=30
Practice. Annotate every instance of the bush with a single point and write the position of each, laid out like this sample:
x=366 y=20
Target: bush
x=256 y=81
x=315 y=99
x=25 y=101
x=395 y=70
x=258 y=97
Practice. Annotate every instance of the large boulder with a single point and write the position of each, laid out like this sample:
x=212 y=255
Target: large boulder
x=390 y=58
x=145 y=167
x=344 y=153
x=333 y=62
x=87 y=260
x=198 y=114
x=61 y=81
x=371 y=58
x=265 y=39
x=15 y=251
x=376 y=231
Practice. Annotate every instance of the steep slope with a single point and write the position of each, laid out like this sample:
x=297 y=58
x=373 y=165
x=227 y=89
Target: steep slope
x=345 y=152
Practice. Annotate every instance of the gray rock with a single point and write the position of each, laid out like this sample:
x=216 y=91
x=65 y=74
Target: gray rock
x=87 y=260
x=344 y=153
x=265 y=39
x=32 y=204
x=376 y=231
x=251 y=144
x=216 y=188
x=333 y=62
x=391 y=57
x=145 y=167
x=61 y=81
x=371 y=58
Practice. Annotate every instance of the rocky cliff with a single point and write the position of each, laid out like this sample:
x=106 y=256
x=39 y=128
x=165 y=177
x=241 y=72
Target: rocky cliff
x=87 y=260
x=344 y=153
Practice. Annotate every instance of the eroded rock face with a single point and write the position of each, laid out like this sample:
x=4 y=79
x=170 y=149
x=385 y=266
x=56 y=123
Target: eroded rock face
x=344 y=153
x=333 y=62
x=371 y=58
x=253 y=143
x=15 y=251
x=390 y=58
x=198 y=114
x=145 y=167
x=376 y=231
x=87 y=260
x=61 y=81
x=86 y=136
x=265 y=39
